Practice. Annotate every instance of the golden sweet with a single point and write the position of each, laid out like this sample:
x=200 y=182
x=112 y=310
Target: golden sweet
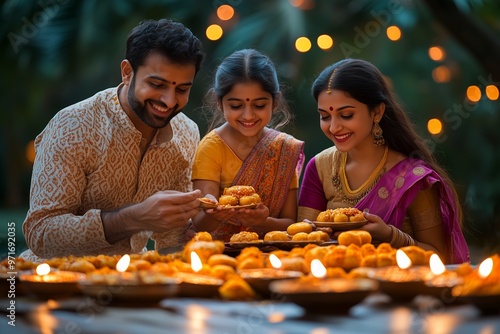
x=276 y=236
x=340 y=215
x=244 y=236
x=299 y=227
x=228 y=200
x=300 y=236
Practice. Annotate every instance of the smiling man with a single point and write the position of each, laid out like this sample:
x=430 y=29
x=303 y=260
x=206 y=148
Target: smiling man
x=114 y=170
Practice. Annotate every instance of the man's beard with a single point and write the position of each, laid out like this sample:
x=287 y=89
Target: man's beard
x=141 y=110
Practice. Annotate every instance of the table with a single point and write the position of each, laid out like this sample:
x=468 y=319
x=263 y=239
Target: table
x=376 y=314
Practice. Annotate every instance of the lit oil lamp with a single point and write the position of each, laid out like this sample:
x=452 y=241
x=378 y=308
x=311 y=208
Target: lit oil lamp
x=260 y=278
x=436 y=265
x=198 y=283
x=122 y=285
x=485 y=268
x=482 y=286
x=123 y=277
x=404 y=281
x=319 y=294
x=123 y=263
x=402 y=259
x=43 y=270
x=318 y=270
x=53 y=284
x=439 y=282
x=275 y=261
x=197 y=265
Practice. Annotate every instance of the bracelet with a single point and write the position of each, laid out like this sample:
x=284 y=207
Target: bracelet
x=400 y=239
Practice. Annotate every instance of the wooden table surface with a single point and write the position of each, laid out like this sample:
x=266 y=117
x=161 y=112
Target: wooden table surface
x=376 y=314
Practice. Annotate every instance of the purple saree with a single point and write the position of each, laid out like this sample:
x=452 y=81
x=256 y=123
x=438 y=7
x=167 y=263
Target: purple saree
x=396 y=190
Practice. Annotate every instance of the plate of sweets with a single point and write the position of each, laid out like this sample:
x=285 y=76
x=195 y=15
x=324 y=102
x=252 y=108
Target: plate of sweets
x=47 y=282
x=244 y=239
x=298 y=234
x=118 y=285
x=235 y=197
x=341 y=219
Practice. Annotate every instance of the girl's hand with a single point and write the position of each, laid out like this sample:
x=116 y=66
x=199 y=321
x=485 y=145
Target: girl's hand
x=254 y=218
x=222 y=214
x=378 y=229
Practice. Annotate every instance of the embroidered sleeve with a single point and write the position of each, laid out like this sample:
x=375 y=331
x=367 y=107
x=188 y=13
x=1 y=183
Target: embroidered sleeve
x=53 y=226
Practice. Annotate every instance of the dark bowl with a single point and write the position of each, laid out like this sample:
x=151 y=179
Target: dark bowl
x=260 y=279
x=53 y=286
x=336 y=295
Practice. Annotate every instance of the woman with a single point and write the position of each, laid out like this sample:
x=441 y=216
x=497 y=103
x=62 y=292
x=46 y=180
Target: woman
x=245 y=147
x=380 y=165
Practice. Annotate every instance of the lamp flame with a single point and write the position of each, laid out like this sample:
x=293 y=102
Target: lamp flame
x=196 y=264
x=275 y=261
x=437 y=266
x=122 y=264
x=486 y=267
x=402 y=259
x=318 y=269
x=42 y=269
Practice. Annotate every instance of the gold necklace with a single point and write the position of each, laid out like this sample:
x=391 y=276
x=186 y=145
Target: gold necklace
x=352 y=197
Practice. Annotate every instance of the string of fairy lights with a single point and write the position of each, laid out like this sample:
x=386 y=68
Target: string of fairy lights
x=441 y=73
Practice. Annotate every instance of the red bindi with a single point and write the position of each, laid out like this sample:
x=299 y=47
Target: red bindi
x=248 y=99
x=173 y=83
x=331 y=108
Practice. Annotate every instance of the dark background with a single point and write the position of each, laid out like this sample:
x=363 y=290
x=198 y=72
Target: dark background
x=58 y=52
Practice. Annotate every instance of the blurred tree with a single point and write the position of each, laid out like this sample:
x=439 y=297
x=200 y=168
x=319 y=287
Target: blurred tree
x=478 y=37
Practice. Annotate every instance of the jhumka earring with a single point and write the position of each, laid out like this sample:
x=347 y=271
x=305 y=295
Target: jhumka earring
x=378 y=139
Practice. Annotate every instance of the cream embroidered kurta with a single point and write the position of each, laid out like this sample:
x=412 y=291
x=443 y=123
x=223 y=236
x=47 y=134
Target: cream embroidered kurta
x=88 y=159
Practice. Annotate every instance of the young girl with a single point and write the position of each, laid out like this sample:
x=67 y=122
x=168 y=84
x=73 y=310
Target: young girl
x=245 y=149
x=380 y=165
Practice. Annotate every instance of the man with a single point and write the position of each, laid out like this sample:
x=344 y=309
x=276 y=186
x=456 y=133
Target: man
x=114 y=170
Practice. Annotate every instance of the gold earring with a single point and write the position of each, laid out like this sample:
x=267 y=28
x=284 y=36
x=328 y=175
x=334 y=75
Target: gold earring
x=378 y=139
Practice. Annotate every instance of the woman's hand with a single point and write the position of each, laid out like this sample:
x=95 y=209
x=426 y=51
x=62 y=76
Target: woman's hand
x=324 y=229
x=378 y=229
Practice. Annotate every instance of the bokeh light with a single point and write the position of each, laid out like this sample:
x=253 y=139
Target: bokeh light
x=30 y=151
x=225 y=12
x=473 y=93
x=303 y=44
x=393 y=33
x=437 y=53
x=434 y=126
x=325 y=42
x=441 y=74
x=492 y=92
x=214 y=32
x=303 y=4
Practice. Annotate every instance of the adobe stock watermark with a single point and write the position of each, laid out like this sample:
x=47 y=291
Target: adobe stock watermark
x=11 y=273
x=31 y=26
x=372 y=28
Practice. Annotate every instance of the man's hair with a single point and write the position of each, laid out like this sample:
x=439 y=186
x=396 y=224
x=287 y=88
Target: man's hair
x=166 y=37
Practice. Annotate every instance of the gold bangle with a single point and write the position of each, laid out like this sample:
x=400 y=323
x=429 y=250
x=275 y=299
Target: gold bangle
x=400 y=239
